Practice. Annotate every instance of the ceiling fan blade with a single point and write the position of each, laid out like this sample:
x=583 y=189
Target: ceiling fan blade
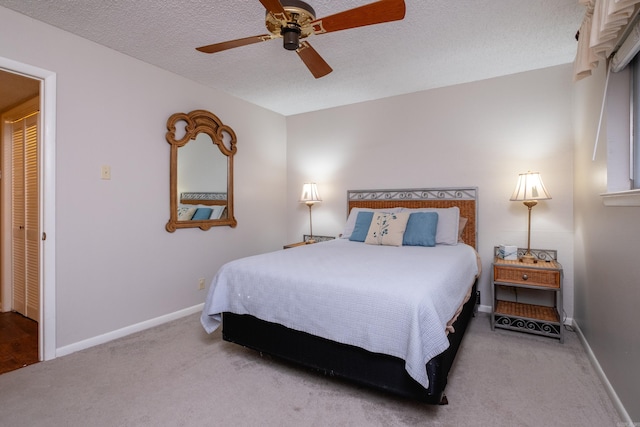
x=369 y=14
x=275 y=8
x=218 y=47
x=313 y=60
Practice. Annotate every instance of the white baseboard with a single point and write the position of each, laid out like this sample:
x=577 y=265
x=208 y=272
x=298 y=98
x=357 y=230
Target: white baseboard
x=128 y=330
x=484 y=308
x=626 y=419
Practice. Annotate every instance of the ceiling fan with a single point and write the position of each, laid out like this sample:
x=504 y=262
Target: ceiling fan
x=295 y=20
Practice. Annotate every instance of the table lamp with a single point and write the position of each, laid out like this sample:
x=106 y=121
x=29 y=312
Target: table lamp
x=310 y=196
x=529 y=190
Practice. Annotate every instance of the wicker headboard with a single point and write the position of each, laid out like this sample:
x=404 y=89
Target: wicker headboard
x=465 y=198
x=203 y=198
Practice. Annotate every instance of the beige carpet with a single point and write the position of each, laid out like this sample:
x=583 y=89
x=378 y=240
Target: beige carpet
x=176 y=375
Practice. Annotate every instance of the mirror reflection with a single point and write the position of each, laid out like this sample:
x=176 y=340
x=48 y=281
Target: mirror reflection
x=201 y=166
x=202 y=150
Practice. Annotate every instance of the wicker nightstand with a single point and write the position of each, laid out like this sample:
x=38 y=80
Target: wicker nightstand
x=293 y=245
x=542 y=276
x=305 y=241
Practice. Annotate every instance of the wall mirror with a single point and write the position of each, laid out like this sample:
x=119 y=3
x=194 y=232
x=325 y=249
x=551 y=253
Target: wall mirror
x=201 y=181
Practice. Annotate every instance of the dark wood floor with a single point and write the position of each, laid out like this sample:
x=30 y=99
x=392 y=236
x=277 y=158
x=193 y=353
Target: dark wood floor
x=18 y=341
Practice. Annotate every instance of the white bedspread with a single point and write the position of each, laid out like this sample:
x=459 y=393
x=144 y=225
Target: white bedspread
x=385 y=299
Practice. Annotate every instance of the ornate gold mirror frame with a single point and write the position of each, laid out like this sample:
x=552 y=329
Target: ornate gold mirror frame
x=200 y=122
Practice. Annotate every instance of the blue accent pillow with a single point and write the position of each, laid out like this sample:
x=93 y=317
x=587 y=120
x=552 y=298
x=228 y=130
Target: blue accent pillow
x=202 y=213
x=421 y=229
x=361 y=229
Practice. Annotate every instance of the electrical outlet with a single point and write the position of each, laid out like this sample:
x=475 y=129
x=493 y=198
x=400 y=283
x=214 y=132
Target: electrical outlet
x=201 y=284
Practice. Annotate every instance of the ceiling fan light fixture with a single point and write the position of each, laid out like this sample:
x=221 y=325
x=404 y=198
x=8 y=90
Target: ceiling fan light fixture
x=291 y=36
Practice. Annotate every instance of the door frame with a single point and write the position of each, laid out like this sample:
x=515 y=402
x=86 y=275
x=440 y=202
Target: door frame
x=47 y=166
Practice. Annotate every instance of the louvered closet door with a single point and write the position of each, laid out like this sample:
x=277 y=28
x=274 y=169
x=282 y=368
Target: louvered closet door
x=26 y=235
x=18 y=250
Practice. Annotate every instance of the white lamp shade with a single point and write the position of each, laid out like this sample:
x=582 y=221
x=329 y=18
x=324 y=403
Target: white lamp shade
x=530 y=187
x=310 y=193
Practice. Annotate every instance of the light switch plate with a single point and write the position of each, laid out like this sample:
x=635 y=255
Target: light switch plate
x=105 y=172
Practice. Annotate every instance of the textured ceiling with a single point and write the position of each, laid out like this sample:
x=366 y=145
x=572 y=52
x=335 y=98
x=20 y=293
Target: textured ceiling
x=439 y=43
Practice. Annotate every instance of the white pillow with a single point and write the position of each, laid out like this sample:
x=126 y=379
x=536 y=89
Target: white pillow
x=216 y=211
x=353 y=215
x=448 y=223
x=387 y=229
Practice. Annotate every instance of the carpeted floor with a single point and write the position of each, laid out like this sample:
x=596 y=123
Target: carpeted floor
x=176 y=375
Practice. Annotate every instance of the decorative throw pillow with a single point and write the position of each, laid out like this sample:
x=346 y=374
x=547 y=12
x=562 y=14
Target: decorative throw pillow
x=361 y=228
x=353 y=215
x=421 y=229
x=202 y=213
x=448 y=222
x=185 y=213
x=387 y=229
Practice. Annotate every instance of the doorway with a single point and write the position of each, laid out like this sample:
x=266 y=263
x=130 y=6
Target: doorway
x=45 y=81
x=19 y=198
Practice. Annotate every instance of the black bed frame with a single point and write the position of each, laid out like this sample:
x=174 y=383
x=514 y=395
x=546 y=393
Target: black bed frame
x=375 y=370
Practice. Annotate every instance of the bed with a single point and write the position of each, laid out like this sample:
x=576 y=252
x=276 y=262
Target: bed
x=406 y=306
x=202 y=206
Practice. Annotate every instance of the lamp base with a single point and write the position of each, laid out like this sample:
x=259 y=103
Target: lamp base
x=528 y=258
x=308 y=242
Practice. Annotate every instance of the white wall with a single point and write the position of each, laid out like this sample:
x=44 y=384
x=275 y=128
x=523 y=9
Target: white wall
x=606 y=253
x=478 y=134
x=116 y=265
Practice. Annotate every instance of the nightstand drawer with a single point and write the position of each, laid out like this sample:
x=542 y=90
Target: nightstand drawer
x=527 y=276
